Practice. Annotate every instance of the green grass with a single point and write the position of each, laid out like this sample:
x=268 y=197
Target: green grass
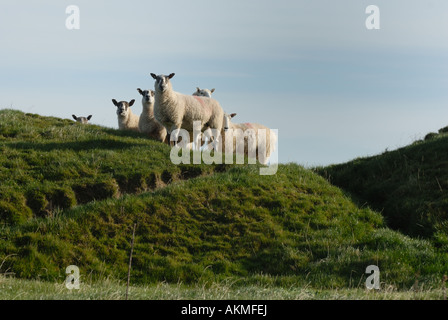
x=409 y=186
x=238 y=223
x=17 y=289
x=70 y=195
x=47 y=164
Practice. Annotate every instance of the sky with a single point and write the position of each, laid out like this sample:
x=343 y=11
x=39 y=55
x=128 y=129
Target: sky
x=333 y=88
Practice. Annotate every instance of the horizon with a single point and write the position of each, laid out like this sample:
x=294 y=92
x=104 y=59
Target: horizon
x=333 y=89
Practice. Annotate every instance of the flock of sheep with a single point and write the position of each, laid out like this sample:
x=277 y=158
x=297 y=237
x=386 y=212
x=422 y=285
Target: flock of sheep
x=165 y=110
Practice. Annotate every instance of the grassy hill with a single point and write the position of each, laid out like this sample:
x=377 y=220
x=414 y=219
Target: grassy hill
x=71 y=194
x=48 y=164
x=409 y=186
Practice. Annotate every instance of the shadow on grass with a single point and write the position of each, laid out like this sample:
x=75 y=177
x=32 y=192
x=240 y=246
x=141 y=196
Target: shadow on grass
x=75 y=145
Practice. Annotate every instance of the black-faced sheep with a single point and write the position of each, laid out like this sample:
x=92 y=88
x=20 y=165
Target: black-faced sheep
x=83 y=120
x=126 y=119
x=147 y=122
x=176 y=110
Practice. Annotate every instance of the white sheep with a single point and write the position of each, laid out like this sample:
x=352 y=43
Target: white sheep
x=148 y=123
x=176 y=110
x=83 y=120
x=127 y=120
x=203 y=92
x=249 y=143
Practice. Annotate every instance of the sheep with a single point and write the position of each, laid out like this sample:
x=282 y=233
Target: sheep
x=82 y=120
x=126 y=119
x=147 y=123
x=203 y=92
x=176 y=110
x=249 y=143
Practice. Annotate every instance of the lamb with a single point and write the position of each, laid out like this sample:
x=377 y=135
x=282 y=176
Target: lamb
x=82 y=120
x=249 y=143
x=175 y=110
x=126 y=119
x=203 y=92
x=147 y=123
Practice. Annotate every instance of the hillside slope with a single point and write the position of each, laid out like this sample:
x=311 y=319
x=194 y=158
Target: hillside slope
x=213 y=223
x=48 y=164
x=409 y=186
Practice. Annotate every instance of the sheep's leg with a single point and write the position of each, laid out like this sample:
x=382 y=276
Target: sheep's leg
x=166 y=139
x=216 y=144
x=196 y=138
x=173 y=138
x=174 y=132
x=169 y=132
x=213 y=137
x=206 y=134
x=216 y=138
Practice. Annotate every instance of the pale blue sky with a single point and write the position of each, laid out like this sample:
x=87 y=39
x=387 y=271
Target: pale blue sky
x=310 y=69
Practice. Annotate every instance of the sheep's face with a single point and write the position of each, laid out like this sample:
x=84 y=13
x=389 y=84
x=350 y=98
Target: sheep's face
x=82 y=120
x=148 y=95
x=204 y=92
x=227 y=121
x=123 y=107
x=162 y=82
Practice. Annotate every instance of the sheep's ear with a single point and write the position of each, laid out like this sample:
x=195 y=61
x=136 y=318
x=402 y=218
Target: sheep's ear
x=74 y=117
x=153 y=75
x=140 y=91
x=197 y=89
x=89 y=117
x=131 y=102
x=232 y=115
x=213 y=90
x=152 y=92
x=115 y=102
x=171 y=75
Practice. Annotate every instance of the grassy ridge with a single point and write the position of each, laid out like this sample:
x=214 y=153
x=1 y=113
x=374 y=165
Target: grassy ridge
x=48 y=164
x=236 y=223
x=409 y=186
x=293 y=227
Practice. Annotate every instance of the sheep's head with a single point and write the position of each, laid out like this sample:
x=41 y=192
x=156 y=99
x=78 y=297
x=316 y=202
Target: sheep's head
x=123 y=107
x=227 y=121
x=148 y=95
x=162 y=82
x=83 y=120
x=204 y=92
